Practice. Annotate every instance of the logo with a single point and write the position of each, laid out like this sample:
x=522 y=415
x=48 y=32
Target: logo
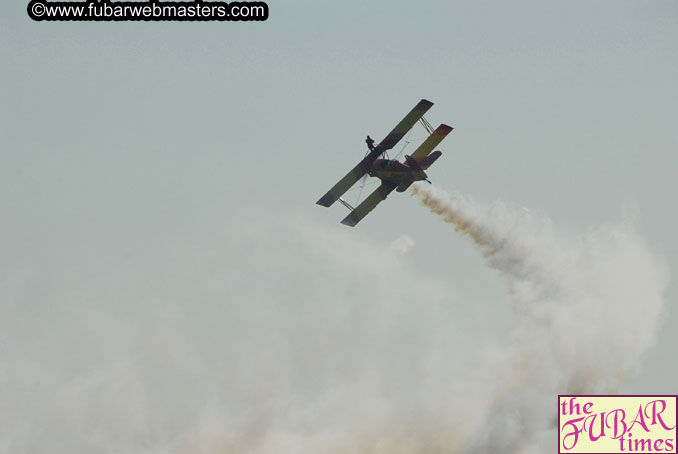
x=617 y=424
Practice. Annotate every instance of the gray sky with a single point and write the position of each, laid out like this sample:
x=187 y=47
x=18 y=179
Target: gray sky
x=161 y=178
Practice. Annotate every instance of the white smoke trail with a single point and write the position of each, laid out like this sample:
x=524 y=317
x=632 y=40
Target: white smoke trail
x=273 y=334
x=264 y=335
x=586 y=311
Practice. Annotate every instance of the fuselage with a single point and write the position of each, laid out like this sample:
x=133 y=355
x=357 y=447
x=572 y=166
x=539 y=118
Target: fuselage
x=395 y=172
x=398 y=175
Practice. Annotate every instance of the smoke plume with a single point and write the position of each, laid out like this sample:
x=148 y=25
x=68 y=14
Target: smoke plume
x=586 y=309
x=271 y=333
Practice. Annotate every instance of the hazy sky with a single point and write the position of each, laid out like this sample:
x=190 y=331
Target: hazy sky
x=162 y=177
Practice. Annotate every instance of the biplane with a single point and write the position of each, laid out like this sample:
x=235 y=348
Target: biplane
x=392 y=173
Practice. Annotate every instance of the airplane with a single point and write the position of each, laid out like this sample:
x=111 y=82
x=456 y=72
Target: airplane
x=392 y=173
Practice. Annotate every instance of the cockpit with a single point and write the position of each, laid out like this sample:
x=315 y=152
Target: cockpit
x=387 y=163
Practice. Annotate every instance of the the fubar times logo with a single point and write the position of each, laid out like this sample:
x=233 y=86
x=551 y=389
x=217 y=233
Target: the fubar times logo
x=617 y=424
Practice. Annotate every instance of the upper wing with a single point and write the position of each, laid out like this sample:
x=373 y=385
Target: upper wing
x=349 y=179
x=431 y=142
x=368 y=204
x=405 y=125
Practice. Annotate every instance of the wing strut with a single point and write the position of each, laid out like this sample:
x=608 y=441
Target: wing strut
x=346 y=204
x=424 y=122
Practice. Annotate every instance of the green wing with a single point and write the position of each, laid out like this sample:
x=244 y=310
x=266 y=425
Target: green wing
x=405 y=125
x=368 y=204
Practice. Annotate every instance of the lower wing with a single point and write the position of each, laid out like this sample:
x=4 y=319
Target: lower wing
x=368 y=204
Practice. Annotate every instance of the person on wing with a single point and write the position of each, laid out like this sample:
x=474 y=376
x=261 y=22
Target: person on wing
x=370 y=143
